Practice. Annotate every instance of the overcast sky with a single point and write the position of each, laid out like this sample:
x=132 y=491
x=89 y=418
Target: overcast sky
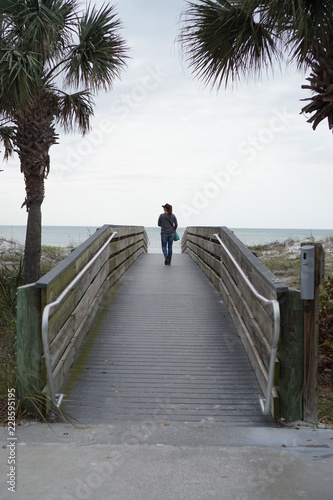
x=241 y=158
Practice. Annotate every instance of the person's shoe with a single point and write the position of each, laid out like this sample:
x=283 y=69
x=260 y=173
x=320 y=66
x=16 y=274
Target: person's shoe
x=166 y=261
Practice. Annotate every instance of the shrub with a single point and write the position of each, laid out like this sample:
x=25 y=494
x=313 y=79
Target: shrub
x=326 y=332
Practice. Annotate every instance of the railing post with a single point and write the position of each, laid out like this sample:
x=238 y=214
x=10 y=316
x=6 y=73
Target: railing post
x=29 y=343
x=291 y=357
x=311 y=339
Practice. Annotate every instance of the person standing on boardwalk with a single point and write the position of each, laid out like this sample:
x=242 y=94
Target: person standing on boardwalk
x=168 y=224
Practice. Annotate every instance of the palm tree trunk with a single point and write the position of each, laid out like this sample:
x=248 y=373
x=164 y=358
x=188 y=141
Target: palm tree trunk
x=34 y=186
x=33 y=244
x=35 y=135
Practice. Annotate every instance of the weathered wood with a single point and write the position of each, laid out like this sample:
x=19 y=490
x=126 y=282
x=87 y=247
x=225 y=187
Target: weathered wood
x=69 y=355
x=245 y=310
x=231 y=298
x=291 y=357
x=265 y=281
x=254 y=321
x=256 y=279
x=212 y=276
x=311 y=336
x=71 y=336
x=133 y=371
x=96 y=275
x=69 y=323
x=78 y=315
x=61 y=275
x=252 y=352
x=211 y=247
x=262 y=314
x=257 y=317
x=29 y=344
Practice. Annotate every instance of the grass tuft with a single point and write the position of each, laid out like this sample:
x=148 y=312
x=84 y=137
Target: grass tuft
x=11 y=274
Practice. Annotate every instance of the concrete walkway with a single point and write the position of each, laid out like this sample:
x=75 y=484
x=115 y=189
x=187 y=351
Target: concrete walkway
x=149 y=461
x=195 y=449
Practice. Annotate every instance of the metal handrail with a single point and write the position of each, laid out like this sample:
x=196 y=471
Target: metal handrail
x=57 y=398
x=264 y=402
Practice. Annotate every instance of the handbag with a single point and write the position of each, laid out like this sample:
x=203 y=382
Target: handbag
x=176 y=236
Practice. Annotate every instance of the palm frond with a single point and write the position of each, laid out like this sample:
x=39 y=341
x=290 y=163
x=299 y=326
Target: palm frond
x=37 y=46
x=47 y=26
x=75 y=110
x=7 y=134
x=223 y=40
x=310 y=24
x=44 y=27
x=19 y=72
x=100 y=54
x=320 y=105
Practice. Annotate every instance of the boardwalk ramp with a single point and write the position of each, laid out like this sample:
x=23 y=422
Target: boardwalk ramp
x=164 y=347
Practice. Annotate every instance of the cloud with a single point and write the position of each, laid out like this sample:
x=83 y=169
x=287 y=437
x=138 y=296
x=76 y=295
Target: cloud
x=161 y=136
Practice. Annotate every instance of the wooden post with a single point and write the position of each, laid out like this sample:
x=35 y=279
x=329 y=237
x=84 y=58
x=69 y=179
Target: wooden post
x=29 y=343
x=291 y=357
x=311 y=339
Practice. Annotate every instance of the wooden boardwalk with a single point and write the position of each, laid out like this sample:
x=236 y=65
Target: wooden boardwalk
x=164 y=347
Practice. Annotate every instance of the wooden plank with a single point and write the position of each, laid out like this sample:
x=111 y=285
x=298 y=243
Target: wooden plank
x=56 y=280
x=206 y=269
x=58 y=319
x=29 y=344
x=237 y=277
x=311 y=336
x=65 y=358
x=60 y=315
x=208 y=259
x=77 y=317
x=71 y=320
x=254 y=357
x=266 y=281
x=262 y=314
x=77 y=314
x=262 y=278
x=125 y=255
x=69 y=355
x=246 y=312
x=132 y=371
x=211 y=247
x=291 y=357
x=243 y=311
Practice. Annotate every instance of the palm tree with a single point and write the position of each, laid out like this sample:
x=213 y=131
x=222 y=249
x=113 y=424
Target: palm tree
x=46 y=48
x=225 y=40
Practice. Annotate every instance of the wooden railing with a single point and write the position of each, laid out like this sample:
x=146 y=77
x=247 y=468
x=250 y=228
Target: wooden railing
x=68 y=324
x=254 y=322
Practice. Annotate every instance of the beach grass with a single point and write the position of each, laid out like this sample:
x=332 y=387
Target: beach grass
x=11 y=274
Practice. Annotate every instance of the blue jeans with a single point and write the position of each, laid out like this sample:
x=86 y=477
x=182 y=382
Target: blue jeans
x=167 y=241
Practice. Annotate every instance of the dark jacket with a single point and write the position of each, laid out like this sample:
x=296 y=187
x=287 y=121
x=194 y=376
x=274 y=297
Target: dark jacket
x=167 y=224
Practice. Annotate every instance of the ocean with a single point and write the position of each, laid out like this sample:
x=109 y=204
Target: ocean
x=63 y=236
